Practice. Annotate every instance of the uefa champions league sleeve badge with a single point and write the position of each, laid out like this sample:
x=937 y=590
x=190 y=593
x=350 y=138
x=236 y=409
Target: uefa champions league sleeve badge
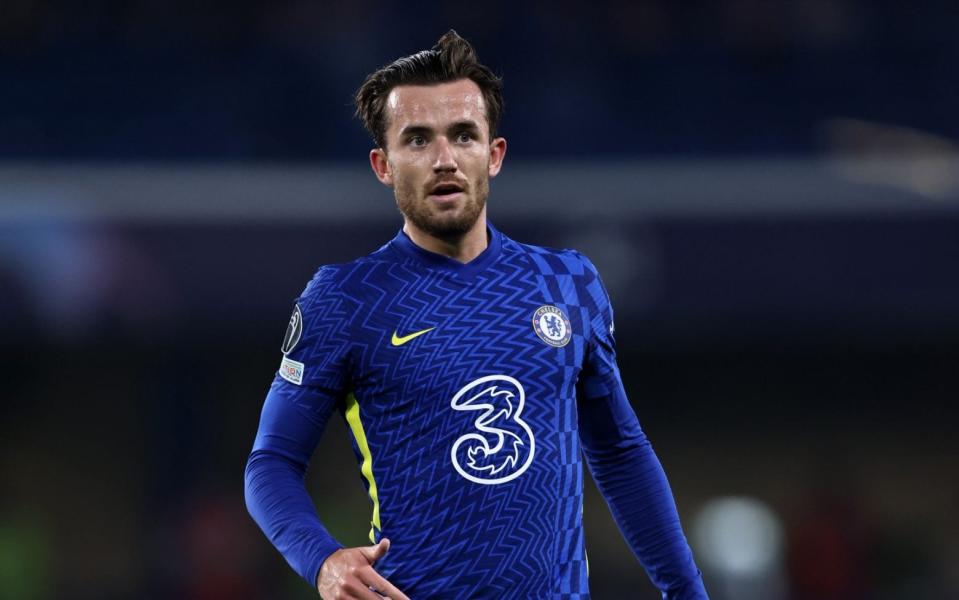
x=294 y=330
x=552 y=326
x=290 y=369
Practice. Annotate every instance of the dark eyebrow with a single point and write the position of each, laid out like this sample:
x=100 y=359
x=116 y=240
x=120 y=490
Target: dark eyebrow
x=415 y=130
x=464 y=125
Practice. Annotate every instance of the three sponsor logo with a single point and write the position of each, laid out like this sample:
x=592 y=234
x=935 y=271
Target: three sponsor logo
x=501 y=446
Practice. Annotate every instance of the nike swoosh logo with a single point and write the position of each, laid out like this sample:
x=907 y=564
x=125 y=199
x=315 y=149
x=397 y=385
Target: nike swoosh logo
x=399 y=341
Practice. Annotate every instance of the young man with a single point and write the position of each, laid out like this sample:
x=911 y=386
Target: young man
x=471 y=369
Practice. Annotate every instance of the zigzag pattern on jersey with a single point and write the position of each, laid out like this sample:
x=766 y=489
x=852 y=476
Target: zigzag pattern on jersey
x=525 y=539
x=481 y=329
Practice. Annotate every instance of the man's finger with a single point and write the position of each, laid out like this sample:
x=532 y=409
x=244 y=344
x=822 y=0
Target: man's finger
x=373 y=579
x=374 y=553
x=363 y=592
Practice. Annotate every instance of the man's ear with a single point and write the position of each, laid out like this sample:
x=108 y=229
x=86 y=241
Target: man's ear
x=497 y=152
x=381 y=166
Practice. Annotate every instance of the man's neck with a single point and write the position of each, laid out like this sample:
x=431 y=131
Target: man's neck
x=463 y=249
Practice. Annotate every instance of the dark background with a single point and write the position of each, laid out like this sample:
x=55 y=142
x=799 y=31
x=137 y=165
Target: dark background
x=770 y=189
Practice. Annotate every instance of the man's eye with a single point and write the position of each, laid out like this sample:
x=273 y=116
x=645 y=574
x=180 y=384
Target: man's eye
x=464 y=137
x=417 y=140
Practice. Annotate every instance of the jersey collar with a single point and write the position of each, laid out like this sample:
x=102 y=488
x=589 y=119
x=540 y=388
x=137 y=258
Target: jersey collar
x=405 y=246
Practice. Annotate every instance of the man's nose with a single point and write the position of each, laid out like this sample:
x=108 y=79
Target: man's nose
x=445 y=161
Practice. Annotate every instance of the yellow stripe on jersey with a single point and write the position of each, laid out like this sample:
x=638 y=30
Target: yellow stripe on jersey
x=353 y=418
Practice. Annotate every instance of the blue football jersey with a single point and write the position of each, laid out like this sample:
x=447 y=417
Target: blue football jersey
x=461 y=384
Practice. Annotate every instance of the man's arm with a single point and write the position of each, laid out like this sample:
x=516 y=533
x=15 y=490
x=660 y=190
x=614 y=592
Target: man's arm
x=276 y=495
x=631 y=479
x=314 y=374
x=623 y=464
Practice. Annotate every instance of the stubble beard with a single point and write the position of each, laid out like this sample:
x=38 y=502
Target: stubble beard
x=445 y=224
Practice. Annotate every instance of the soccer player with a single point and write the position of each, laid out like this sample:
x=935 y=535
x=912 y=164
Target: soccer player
x=474 y=373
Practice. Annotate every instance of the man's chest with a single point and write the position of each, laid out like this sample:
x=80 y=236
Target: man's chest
x=423 y=341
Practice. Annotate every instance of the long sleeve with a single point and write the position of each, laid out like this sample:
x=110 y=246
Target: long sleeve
x=313 y=378
x=631 y=479
x=275 y=491
x=625 y=467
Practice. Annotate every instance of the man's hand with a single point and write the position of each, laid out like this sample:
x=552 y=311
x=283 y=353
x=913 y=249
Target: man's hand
x=348 y=573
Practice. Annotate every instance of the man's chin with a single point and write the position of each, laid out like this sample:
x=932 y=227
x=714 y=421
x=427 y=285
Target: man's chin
x=447 y=226
x=447 y=221
x=447 y=231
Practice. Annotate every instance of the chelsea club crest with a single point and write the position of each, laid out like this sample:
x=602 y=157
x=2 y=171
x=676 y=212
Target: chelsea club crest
x=552 y=326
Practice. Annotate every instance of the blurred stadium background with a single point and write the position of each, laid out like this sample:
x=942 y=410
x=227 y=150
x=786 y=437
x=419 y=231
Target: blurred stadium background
x=771 y=190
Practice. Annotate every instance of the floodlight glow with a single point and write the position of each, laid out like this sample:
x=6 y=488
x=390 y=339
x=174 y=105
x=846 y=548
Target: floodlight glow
x=738 y=536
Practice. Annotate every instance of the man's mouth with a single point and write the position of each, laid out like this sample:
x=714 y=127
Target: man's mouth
x=446 y=191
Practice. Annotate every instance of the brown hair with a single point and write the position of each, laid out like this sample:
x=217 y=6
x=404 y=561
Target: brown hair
x=450 y=59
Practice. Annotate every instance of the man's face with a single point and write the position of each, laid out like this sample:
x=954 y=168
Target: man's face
x=438 y=157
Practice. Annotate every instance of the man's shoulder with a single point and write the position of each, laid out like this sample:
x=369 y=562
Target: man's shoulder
x=337 y=278
x=558 y=261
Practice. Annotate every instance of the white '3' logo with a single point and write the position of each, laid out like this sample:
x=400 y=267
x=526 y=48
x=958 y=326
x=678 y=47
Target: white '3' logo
x=503 y=448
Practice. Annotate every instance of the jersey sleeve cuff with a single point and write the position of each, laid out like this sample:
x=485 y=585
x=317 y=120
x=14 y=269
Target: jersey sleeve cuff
x=312 y=574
